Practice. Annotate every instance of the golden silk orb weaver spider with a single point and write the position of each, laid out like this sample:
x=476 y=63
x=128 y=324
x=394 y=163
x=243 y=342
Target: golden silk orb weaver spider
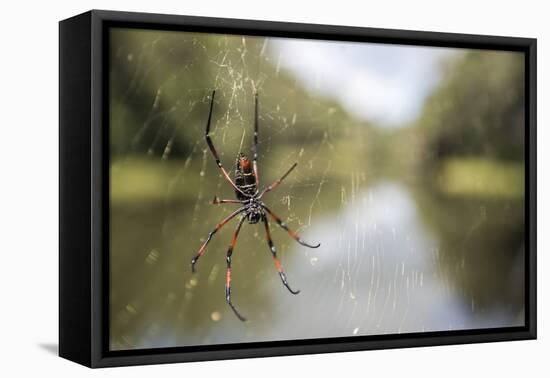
x=253 y=210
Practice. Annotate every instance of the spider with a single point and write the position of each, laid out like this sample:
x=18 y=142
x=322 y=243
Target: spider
x=252 y=208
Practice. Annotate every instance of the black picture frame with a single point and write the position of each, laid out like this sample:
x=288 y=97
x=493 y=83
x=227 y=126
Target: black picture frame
x=84 y=188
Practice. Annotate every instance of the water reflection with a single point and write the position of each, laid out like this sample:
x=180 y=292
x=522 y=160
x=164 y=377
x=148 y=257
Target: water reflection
x=379 y=270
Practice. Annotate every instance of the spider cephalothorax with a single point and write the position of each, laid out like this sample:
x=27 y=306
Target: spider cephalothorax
x=253 y=211
x=252 y=208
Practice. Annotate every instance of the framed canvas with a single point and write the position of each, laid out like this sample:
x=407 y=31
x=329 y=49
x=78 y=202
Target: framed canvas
x=236 y=188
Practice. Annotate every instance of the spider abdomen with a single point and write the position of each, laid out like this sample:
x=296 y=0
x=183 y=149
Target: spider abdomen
x=245 y=179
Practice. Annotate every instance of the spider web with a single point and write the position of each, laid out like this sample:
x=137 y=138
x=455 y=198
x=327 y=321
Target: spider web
x=379 y=269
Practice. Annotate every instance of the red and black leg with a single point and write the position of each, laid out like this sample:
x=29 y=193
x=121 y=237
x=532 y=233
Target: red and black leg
x=218 y=201
x=210 y=234
x=277 y=182
x=275 y=258
x=213 y=149
x=228 y=273
x=293 y=234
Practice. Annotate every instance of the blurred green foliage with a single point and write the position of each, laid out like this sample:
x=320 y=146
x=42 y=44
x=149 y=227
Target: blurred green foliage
x=160 y=88
x=478 y=110
x=481 y=177
x=469 y=139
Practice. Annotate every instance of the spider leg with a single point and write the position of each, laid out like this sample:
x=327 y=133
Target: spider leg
x=228 y=273
x=293 y=234
x=255 y=145
x=275 y=258
x=218 y=201
x=213 y=149
x=210 y=234
x=277 y=182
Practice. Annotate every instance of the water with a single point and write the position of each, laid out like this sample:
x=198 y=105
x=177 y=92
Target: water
x=383 y=267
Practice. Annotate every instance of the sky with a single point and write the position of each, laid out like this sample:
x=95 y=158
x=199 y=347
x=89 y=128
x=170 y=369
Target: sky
x=382 y=83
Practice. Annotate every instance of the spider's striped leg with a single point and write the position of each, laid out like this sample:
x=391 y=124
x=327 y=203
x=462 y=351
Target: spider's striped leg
x=210 y=234
x=277 y=182
x=228 y=273
x=255 y=145
x=213 y=149
x=293 y=234
x=218 y=201
x=275 y=258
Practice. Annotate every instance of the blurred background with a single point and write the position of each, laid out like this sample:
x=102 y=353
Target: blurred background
x=410 y=175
